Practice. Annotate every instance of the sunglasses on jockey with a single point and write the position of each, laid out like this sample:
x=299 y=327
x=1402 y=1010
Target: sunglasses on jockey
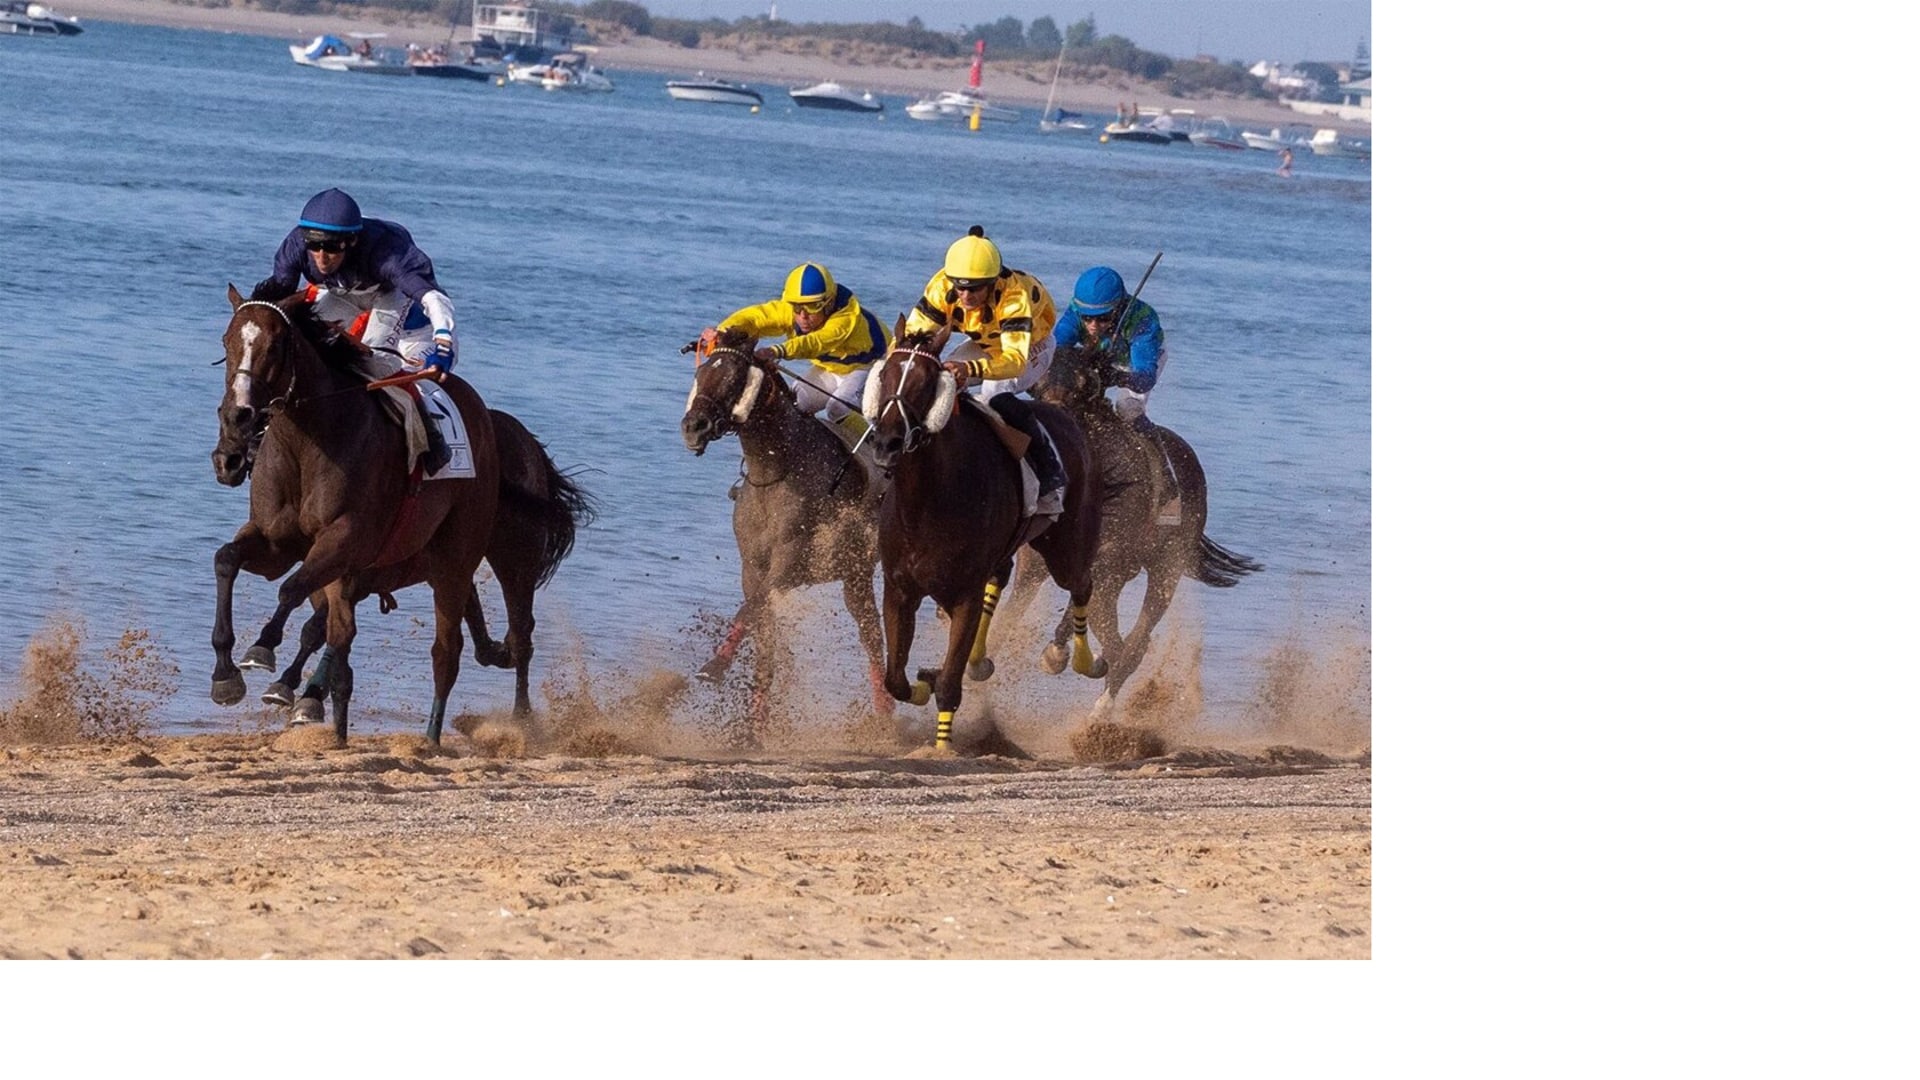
x=330 y=242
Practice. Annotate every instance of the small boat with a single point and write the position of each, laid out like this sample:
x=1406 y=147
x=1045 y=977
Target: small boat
x=716 y=91
x=1299 y=135
x=329 y=53
x=35 y=20
x=1216 y=133
x=566 y=71
x=1054 y=119
x=960 y=105
x=437 y=62
x=831 y=95
x=1328 y=142
x=1127 y=131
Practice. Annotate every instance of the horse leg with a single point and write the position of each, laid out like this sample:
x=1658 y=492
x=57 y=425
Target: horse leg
x=342 y=627
x=715 y=669
x=1161 y=581
x=249 y=549
x=1053 y=659
x=897 y=612
x=486 y=651
x=450 y=593
x=517 y=588
x=979 y=664
x=857 y=592
x=963 y=624
x=313 y=634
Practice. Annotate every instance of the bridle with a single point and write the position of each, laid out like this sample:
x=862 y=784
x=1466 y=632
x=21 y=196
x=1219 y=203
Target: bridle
x=916 y=426
x=281 y=402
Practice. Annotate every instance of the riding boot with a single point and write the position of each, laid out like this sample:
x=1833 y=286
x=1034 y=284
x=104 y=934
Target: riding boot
x=438 y=454
x=1040 y=454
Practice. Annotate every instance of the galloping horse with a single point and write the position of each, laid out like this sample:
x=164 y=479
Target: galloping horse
x=951 y=519
x=805 y=515
x=1131 y=538
x=541 y=511
x=331 y=492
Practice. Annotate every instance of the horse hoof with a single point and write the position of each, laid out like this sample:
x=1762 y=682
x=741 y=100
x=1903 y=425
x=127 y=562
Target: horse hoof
x=258 y=658
x=278 y=694
x=229 y=691
x=1053 y=659
x=980 y=670
x=306 y=711
x=491 y=654
x=921 y=693
x=1095 y=670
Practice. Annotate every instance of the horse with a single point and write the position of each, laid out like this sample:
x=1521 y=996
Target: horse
x=805 y=515
x=951 y=519
x=1132 y=539
x=541 y=511
x=331 y=493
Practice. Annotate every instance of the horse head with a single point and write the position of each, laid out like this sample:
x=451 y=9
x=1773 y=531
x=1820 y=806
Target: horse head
x=909 y=395
x=728 y=382
x=1075 y=382
x=260 y=370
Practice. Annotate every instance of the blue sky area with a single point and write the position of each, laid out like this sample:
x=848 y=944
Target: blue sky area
x=1285 y=30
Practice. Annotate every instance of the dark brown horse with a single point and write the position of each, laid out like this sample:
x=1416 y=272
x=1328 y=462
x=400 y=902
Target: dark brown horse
x=805 y=515
x=1133 y=538
x=541 y=511
x=331 y=493
x=951 y=519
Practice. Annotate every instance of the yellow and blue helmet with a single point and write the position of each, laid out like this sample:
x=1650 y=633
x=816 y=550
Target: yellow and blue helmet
x=808 y=284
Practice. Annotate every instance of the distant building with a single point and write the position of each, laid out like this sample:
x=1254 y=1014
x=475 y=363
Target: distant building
x=1358 y=94
x=1284 y=83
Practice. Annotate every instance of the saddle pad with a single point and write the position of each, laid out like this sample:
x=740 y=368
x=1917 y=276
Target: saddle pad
x=447 y=415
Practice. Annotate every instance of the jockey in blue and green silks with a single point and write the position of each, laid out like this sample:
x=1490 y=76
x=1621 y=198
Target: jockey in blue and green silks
x=1126 y=335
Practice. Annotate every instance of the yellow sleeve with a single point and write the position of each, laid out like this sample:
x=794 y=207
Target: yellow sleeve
x=1014 y=317
x=775 y=317
x=932 y=312
x=834 y=338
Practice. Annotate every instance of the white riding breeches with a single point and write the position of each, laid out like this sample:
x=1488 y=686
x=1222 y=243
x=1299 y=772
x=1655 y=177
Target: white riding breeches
x=386 y=311
x=1037 y=365
x=817 y=388
x=1129 y=404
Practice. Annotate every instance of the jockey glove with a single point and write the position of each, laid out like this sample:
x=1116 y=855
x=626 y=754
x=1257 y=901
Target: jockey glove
x=442 y=358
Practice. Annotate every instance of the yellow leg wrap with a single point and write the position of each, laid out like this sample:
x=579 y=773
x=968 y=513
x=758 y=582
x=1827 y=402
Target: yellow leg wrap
x=1082 y=652
x=922 y=692
x=986 y=620
x=943 y=731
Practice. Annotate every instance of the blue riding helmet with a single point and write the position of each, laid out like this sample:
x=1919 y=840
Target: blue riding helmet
x=1099 y=291
x=331 y=211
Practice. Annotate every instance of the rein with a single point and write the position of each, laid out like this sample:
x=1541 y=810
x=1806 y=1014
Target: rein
x=916 y=428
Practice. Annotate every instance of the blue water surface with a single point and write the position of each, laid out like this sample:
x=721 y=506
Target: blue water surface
x=584 y=239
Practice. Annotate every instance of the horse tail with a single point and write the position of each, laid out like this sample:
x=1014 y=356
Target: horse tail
x=1216 y=566
x=535 y=489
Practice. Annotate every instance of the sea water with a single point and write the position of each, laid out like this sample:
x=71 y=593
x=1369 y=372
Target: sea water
x=584 y=240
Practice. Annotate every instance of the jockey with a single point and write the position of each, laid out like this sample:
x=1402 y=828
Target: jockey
x=1125 y=332
x=825 y=325
x=368 y=274
x=1009 y=316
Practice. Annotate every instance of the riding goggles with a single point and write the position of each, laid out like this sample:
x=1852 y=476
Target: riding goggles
x=328 y=242
x=965 y=285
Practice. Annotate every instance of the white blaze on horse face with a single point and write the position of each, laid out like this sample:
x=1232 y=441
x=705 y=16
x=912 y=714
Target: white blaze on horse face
x=243 y=375
x=693 y=393
x=747 y=396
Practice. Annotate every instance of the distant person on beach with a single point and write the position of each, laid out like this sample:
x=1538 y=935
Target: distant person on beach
x=368 y=275
x=1125 y=331
x=823 y=323
x=1286 y=161
x=1009 y=317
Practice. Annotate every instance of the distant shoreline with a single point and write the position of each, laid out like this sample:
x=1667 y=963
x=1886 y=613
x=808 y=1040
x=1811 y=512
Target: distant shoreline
x=1013 y=83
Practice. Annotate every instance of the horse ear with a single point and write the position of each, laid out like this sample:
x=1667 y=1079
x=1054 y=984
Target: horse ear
x=899 y=326
x=234 y=297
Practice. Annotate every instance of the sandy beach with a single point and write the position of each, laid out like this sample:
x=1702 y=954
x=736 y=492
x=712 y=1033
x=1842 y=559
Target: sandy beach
x=1015 y=83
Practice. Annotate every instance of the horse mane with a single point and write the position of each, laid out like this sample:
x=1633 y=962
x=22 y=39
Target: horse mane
x=337 y=348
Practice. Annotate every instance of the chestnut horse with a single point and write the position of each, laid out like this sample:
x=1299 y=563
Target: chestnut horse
x=541 y=511
x=951 y=519
x=331 y=493
x=1132 y=539
x=805 y=515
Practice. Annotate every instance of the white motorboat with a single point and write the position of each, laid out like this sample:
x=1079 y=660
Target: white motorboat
x=1215 y=132
x=715 y=91
x=831 y=95
x=960 y=105
x=330 y=53
x=566 y=71
x=1299 y=135
x=1328 y=142
x=35 y=20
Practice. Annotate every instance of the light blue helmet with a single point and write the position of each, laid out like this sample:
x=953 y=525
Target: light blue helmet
x=1099 y=291
x=331 y=211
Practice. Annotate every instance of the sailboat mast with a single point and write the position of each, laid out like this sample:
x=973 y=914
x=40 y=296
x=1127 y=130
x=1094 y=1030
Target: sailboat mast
x=1047 y=116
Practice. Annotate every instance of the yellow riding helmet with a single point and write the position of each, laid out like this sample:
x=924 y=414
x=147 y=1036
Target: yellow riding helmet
x=973 y=257
x=808 y=284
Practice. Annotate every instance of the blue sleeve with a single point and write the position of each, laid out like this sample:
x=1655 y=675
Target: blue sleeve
x=1066 y=331
x=401 y=264
x=1144 y=355
x=288 y=262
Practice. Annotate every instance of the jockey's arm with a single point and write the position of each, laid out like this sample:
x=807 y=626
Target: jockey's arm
x=1007 y=358
x=288 y=262
x=771 y=319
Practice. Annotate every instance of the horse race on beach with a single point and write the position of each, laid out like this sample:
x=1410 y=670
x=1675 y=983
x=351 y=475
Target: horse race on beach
x=331 y=492
x=953 y=516
x=804 y=514
x=1148 y=524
